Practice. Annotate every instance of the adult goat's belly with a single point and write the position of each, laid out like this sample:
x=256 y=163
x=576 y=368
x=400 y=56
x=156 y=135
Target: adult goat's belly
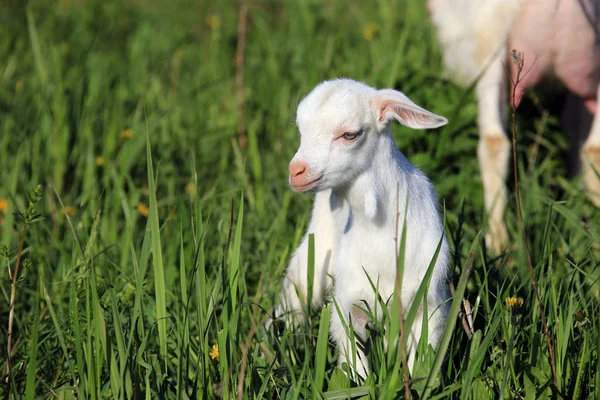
x=558 y=38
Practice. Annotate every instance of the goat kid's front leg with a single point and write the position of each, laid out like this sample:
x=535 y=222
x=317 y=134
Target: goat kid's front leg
x=590 y=157
x=437 y=304
x=294 y=294
x=493 y=151
x=350 y=351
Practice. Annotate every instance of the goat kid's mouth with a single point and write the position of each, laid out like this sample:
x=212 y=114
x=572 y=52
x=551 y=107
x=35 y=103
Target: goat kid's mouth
x=306 y=186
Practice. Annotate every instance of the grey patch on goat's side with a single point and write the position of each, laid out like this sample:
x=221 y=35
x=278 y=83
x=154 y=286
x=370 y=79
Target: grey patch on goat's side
x=334 y=202
x=348 y=222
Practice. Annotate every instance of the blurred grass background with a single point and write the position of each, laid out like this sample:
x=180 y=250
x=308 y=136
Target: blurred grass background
x=168 y=221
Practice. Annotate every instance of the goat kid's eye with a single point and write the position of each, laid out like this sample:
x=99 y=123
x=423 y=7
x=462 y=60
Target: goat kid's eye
x=351 y=135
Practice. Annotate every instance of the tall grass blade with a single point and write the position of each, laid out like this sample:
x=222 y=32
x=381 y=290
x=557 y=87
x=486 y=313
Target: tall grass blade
x=234 y=271
x=30 y=384
x=79 y=340
x=57 y=325
x=350 y=393
x=452 y=318
x=480 y=349
x=423 y=289
x=157 y=258
x=321 y=352
x=36 y=48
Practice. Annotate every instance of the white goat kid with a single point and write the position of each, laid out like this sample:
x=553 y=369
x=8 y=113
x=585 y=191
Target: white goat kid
x=348 y=156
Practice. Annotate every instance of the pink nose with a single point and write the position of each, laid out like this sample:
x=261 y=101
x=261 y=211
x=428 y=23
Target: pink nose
x=297 y=171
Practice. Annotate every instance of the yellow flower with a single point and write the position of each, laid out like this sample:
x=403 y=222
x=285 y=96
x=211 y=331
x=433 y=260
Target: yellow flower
x=70 y=211
x=190 y=188
x=214 y=352
x=502 y=344
x=65 y=48
x=370 y=30
x=213 y=22
x=100 y=161
x=514 y=302
x=580 y=319
x=3 y=205
x=142 y=209
x=126 y=134
x=18 y=86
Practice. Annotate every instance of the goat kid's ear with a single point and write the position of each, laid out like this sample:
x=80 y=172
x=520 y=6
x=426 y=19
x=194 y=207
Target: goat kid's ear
x=392 y=104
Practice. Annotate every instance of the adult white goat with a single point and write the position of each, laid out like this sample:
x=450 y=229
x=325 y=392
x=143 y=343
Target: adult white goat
x=348 y=156
x=556 y=37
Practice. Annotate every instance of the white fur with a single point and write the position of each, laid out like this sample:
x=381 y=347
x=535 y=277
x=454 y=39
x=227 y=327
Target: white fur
x=355 y=211
x=476 y=37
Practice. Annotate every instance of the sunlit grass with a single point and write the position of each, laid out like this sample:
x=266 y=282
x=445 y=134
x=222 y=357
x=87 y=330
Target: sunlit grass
x=164 y=241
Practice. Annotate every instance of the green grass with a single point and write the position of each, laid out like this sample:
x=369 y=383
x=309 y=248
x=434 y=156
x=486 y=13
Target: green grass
x=159 y=242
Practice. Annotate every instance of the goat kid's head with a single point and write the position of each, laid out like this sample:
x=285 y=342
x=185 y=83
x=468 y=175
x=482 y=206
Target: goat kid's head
x=340 y=123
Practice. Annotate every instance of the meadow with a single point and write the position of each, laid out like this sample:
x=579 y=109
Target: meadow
x=146 y=220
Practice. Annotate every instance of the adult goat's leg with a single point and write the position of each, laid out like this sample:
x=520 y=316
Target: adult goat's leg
x=590 y=159
x=493 y=151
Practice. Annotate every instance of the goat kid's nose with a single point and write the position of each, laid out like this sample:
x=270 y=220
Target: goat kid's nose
x=297 y=169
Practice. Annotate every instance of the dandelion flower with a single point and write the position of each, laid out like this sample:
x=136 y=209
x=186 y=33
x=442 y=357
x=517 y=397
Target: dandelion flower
x=501 y=344
x=65 y=48
x=70 y=211
x=100 y=161
x=142 y=209
x=3 y=205
x=579 y=316
x=514 y=302
x=580 y=319
x=370 y=30
x=126 y=134
x=213 y=22
x=214 y=352
x=190 y=188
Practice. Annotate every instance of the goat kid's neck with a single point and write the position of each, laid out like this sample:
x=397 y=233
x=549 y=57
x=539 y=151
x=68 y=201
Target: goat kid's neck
x=371 y=195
